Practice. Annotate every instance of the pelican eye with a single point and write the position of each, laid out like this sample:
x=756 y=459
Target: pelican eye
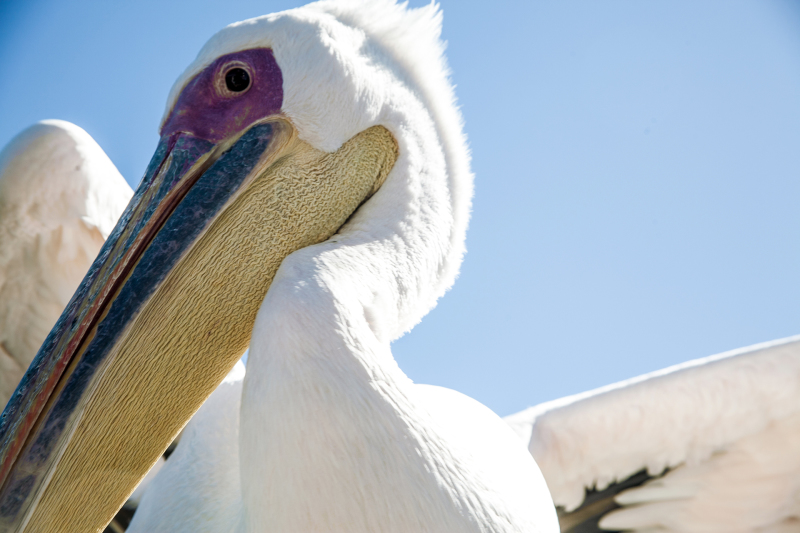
x=237 y=80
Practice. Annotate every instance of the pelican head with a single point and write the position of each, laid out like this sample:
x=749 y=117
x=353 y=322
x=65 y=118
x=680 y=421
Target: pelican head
x=312 y=164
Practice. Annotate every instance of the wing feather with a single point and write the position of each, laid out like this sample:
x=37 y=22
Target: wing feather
x=726 y=429
x=60 y=197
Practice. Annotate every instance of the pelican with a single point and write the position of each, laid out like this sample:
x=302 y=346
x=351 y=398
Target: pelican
x=309 y=197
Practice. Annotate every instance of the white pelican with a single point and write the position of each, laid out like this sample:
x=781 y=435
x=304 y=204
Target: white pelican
x=324 y=141
x=330 y=435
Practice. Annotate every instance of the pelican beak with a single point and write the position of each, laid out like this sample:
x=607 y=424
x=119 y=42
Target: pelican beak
x=166 y=310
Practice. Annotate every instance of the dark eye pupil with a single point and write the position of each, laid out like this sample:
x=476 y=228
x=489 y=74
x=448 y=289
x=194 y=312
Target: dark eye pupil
x=237 y=80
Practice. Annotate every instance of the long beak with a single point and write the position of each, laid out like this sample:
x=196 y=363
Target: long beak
x=165 y=311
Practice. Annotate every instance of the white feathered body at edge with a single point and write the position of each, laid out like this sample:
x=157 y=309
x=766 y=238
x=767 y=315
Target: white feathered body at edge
x=332 y=436
x=60 y=196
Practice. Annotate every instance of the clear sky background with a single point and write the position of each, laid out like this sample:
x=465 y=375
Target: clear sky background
x=637 y=199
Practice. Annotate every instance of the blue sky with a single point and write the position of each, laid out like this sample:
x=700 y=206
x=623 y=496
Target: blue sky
x=637 y=170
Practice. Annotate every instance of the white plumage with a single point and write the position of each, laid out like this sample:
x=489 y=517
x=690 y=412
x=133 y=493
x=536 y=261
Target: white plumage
x=320 y=373
x=728 y=427
x=325 y=433
x=60 y=197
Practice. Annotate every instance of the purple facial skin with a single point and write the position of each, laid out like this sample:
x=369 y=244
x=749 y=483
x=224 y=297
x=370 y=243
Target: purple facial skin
x=207 y=109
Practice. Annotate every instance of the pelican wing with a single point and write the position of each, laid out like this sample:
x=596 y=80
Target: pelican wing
x=60 y=197
x=709 y=445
